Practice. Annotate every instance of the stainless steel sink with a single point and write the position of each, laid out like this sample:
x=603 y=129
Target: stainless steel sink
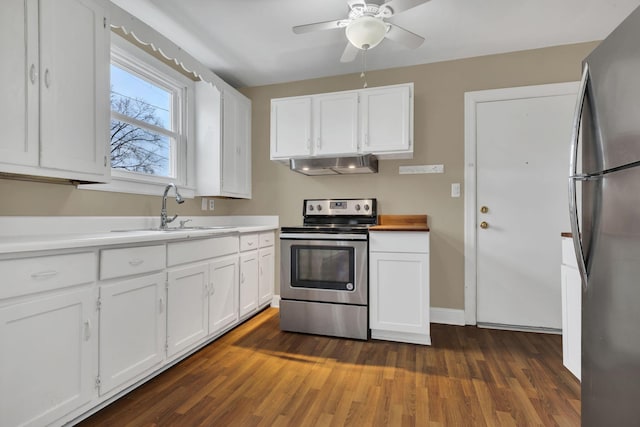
x=172 y=229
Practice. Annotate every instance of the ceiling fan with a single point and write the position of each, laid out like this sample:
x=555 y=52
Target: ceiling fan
x=365 y=26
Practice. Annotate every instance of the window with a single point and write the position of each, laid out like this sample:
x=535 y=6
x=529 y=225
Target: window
x=151 y=121
x=143 y=125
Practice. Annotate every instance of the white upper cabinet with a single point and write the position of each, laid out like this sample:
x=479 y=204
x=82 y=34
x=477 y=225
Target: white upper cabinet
x=19 y=82
x=236 y=145
x=223 y=142
x=335 y=118
x=290 y=127
x=55 y=89
x=377 y=120
x=387 y=122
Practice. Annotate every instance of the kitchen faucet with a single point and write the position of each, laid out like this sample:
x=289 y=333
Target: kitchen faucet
x=163 y=212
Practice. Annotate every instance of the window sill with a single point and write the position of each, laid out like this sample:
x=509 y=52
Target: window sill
x=136 y=186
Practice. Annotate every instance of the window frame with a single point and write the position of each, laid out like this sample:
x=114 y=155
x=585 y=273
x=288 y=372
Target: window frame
x=135 y=60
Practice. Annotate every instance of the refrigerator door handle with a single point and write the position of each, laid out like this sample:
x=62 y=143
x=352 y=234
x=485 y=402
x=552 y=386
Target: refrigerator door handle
x=574 y=176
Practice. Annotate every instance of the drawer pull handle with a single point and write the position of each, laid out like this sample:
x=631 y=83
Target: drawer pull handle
x=250 y=243
x=136 y=262
x=87 y=330
x=45 y=274
x=161 y=305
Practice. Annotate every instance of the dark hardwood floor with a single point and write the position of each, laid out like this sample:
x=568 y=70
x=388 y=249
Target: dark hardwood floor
x=257 y=375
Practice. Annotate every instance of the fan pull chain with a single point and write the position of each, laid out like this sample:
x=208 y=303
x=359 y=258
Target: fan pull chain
x=364 y=68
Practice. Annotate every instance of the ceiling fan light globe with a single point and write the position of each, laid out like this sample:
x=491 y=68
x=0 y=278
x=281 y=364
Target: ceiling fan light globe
x=366 y=32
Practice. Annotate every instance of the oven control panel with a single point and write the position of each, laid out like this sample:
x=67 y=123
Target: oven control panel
x=340 y=207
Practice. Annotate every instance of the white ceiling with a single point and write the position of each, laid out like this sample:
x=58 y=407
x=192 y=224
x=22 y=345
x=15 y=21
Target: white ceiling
x=250 y=42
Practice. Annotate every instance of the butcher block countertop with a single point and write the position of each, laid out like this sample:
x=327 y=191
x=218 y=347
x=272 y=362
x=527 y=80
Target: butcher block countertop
x=401 y=223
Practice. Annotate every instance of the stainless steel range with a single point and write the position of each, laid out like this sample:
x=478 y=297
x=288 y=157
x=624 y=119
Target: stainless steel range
x=324 y=281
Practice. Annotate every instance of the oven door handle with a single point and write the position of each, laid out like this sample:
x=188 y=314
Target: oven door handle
x=322 y=236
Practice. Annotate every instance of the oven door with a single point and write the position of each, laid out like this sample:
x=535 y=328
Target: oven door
x=329 y=269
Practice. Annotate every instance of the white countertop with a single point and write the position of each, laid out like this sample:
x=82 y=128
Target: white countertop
x=28 y=234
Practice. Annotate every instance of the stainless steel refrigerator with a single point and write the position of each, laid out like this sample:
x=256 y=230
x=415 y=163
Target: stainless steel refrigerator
x=605 y=178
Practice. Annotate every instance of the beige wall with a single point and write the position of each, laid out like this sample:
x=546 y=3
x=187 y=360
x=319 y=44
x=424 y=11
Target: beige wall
x=439 y=139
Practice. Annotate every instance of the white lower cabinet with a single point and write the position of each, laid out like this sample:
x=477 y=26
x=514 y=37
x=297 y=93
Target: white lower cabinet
x=248 y=283
x=266 y=263
x=223 y=294
x=187 y=307
x=75 y=333
x=399 y=286
x=48 y=357
x=132 y=330
x=571 y=286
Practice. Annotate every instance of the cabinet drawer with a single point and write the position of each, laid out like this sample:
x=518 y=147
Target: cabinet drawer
x=399 y=241
x=130 y=261
x=266 y=239
x=197 y=250
x=249 y=241
x=568 y=253
x=29 y=275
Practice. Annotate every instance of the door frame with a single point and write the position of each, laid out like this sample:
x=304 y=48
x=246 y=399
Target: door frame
x=471 y=101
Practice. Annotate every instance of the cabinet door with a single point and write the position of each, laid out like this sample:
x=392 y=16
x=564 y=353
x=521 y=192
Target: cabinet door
x=571 y=319
x=132 y=329
x=49 y=368
x=290 y=127
x=74 y=85
x=236 y=146
x=187 y=307
x=335 y=118
x=399 y=292
x=266 y=276
x=248 y=282
x=386 y=120
x=223 y=294
x=19 y=82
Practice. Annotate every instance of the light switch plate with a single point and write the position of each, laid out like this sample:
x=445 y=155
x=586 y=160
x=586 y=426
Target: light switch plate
x=212 y=204
x=205 y=204
x=415 y=169
x=455 y=189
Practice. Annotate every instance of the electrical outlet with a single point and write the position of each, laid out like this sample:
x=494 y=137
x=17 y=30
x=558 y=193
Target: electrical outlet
x=212 y=204
x=204 y=204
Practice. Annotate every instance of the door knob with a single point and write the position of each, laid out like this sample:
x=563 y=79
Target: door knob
x=484 y=209
x=484 y=225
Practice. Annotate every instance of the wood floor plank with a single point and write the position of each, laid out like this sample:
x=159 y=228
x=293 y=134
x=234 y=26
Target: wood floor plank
x=257 y=375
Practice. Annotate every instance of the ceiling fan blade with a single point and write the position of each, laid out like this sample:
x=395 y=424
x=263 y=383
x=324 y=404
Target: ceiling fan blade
x=350 y=53
x=405 y=37
x=320 y=26
x=393 y=7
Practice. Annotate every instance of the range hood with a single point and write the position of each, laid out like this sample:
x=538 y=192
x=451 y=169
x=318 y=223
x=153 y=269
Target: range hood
x=367 y=163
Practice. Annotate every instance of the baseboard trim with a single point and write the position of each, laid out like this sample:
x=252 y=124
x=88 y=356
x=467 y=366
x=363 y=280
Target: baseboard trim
x=447 y=316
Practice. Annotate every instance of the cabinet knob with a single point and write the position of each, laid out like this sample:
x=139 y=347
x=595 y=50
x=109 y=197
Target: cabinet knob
x=484 y=225
x=484 y=209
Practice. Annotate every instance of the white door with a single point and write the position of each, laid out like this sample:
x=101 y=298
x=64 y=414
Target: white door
x=187 y=307
x=236 y=146
x=74 y=73
x=52 y=371
x=522 y=139
x=248 y=282
x=335 y=120
x=386 y=119
x=290 y=127
x=266 y=279
x=223 y=295
x=132 y=329
x=19 y=82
